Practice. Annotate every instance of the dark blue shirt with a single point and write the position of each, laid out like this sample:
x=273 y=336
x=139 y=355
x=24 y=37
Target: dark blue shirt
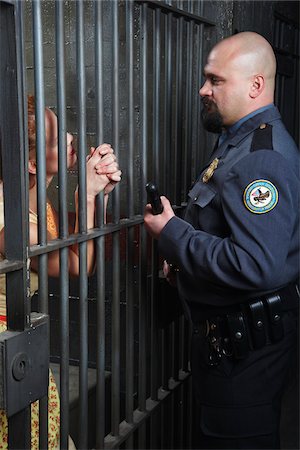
x=240 y=233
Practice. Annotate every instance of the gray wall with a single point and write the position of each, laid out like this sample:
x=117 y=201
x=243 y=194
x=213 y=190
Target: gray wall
x=229 y=16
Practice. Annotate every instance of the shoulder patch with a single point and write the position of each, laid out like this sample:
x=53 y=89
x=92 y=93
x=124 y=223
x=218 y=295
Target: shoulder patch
x=260 y=196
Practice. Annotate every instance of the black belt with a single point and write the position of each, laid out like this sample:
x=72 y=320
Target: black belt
x=289 y=299
x=250 y=325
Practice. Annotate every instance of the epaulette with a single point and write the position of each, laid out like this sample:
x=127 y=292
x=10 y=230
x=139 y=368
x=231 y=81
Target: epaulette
x=262 y=138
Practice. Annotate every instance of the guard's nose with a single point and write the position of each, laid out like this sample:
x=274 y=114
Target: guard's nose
x=205 y=90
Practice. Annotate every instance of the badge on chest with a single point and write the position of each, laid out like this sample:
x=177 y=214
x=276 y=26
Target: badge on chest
x=210 y=170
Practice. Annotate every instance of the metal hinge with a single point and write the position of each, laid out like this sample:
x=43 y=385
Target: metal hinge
x=24 y=365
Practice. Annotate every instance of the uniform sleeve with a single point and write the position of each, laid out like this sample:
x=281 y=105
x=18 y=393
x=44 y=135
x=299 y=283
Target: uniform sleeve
x=260 y=204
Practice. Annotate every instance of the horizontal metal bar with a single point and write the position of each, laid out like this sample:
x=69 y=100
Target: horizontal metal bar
x=56 y=244
x=10 y=266
x=177 y=12
x=139 y=417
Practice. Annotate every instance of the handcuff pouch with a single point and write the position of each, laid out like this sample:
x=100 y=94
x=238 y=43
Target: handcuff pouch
x=238 y=335
x=257 y=324
x=274 y=309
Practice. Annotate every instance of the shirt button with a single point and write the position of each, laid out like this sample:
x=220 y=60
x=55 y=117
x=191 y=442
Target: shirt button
x=195 y=198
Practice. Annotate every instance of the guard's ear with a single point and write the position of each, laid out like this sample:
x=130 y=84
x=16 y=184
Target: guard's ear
x=32 y=166
x=257 y=86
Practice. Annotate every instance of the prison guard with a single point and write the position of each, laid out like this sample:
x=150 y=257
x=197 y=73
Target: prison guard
x=238 y=245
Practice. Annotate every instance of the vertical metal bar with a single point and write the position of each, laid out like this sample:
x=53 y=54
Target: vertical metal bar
x=175 y=353
x=154 y=268
x=83 y=286
x=154 y=383
x=178 y=113
x=142 y=394
x=199 y=62
x=63 y=224
x=40 y=149
x=130 y=233
x=116 y=236
x=165 y=358
x=168 y=106
x=189 y=412
x=41 y=187
x=14 y=167
x=156 y=93
x=188 y=104
x=100 y=242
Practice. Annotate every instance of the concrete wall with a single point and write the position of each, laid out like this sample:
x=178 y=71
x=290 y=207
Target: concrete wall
x=229 y=16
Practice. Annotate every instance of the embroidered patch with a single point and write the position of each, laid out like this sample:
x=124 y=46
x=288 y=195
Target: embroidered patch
x=260 y=196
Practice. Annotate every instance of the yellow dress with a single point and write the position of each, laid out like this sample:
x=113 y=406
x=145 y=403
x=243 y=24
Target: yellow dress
x=53 y=397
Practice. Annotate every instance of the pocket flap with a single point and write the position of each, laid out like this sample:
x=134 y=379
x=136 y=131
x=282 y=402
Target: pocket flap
x=203 y=195
x=235 y=422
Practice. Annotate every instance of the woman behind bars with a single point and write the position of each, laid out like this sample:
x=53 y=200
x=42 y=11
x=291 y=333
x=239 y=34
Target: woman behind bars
x=102 y=174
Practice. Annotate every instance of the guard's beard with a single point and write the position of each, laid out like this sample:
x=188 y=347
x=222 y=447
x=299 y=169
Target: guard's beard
x=211 y=117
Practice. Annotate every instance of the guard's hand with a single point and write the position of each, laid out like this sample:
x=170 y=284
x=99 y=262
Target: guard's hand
x=155 y=224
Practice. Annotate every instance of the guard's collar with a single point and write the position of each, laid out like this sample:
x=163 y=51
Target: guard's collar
x=252 y=124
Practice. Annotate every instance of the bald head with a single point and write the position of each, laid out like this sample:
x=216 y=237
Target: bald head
x=240 y=78
x=251 y=53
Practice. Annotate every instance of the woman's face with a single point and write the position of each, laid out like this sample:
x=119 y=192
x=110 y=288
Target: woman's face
x=51 y=130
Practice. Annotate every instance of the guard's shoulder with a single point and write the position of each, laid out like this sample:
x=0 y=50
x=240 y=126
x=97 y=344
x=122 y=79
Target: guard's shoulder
x=262 y=138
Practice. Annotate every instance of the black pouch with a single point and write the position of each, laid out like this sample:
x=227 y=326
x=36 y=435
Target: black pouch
x=238 y=335
x=257 y=324
x=274 y=308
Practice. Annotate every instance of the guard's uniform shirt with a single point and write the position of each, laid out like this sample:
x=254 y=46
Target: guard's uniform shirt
x=240 y=233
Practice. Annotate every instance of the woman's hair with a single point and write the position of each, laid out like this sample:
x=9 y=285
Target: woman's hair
x=31 y=126
x=31 y=130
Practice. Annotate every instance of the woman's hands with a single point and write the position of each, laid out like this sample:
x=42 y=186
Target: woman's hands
x=102 y=170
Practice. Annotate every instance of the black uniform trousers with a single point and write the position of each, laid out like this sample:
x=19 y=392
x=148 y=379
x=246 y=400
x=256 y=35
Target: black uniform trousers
x=237 y=403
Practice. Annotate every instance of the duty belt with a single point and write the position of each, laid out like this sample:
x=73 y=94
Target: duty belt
x=249 y=327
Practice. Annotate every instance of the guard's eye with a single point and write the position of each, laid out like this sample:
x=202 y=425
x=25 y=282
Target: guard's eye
x=215 y=80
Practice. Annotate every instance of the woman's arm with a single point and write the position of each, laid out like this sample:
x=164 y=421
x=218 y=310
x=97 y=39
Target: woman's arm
x=101 y=171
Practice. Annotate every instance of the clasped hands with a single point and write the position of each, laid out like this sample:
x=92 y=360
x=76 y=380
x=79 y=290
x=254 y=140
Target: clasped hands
x=102 y=170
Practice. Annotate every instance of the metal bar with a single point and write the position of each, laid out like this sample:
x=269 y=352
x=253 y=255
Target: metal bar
x=165 y=358
x=189 y=413
x=154 y=380
x=100 y=241
x=40 y=150
x=177 y=12
x=61 y=115
x=63 y=224
x=83 y=286
x=12 y=123
x=142 y=364
x=140 y=417
x=176 y=355
x=188 y=106
x=198 y=63
x=130 y=235
x=10 y=266
x=178 y=113
x=168 y=106
x=130 y=64
x=156 y=93
x=154 y=262
x=91 y=234
x=115 y=418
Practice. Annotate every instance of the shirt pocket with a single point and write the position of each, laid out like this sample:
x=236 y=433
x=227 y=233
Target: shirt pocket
x=202 y=195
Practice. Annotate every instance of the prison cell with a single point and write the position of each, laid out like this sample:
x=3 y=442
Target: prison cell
x=134 y=86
